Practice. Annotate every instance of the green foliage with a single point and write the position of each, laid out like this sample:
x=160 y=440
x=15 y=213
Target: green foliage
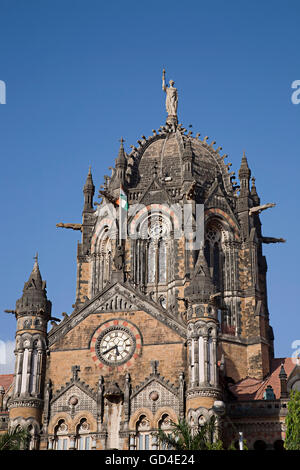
x=232 y=445
x=183 y=438
x=16 y=439
x=292 y=421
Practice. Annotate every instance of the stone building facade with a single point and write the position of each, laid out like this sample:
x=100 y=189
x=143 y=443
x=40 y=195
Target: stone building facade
x=163 y=327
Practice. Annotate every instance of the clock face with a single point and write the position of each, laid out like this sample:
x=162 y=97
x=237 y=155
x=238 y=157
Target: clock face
x=115 y=345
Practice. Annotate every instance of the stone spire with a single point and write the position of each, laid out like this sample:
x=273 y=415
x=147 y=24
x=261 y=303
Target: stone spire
x=121 y=159
x=283 y=382
x=34 y=298
x=187 y=160
x=244 y=175
x=88 y=191
x=244 y=201
x=201 y=287
x=121 y=163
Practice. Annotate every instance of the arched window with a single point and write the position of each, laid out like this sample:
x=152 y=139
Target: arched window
x=152 y=257
x=143 y=436
x=83 y=439
x=165 y=424
x=31 y=443
x=157 y=266
x=102 y=262
x=61 y=439
x=213 y=255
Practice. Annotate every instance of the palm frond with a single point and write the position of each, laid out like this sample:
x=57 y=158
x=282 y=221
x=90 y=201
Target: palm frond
x=182 y=437
x=15 y=439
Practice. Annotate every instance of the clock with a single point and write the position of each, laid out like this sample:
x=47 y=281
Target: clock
x=116 y=343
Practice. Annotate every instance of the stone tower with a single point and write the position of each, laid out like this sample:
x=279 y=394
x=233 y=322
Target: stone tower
x=32 y=312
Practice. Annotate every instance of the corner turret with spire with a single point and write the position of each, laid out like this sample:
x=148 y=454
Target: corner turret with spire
x=33 y=311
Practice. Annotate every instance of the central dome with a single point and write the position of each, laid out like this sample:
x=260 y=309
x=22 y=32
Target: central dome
x=168 y=153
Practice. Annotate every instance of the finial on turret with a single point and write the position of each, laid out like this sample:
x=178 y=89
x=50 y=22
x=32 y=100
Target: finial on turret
x=121 y=159
x=36 y=258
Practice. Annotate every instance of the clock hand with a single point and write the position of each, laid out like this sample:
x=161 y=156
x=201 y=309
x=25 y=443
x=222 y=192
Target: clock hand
x=110 y=349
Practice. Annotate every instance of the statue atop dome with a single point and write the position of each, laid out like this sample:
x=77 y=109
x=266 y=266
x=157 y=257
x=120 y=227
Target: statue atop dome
x=171 y=98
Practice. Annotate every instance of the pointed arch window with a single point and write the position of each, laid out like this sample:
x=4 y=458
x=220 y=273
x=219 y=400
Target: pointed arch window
x=61 y=436
x=157 y=251
x=165 y=425
x=214 y=256
x=102 y=262
x=143 y=436
x=83 y=439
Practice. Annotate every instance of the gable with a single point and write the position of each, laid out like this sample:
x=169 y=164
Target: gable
x=62 y=402
x=153 y=396
x=115 y=298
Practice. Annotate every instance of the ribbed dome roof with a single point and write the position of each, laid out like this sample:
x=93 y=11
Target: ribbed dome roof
x=164 y=153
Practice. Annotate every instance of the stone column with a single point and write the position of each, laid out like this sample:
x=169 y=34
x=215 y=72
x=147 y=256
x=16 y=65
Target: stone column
x=214 y=378
x=189 y=343
x=132 y=445
x=50 y=443
x=94 y=442
x=154 y=443
x=72 y=442
x=39 y=372
x=19 y=367
x=196 y=361
x=205 y=359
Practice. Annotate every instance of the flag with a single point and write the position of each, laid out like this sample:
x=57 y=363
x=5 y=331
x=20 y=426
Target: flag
x=123 y=208
x=122 y=201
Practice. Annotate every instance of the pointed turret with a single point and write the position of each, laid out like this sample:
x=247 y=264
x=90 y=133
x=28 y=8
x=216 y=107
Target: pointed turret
x=89 y=191
x=121 y=159
x=244 y=201
x=187 y=160
x=201 y=287
x=254 y=195
x=244 y=175
x=202 y=337
x=121 y=163
x=34 y=299
x=283 y=382
x=33 y=310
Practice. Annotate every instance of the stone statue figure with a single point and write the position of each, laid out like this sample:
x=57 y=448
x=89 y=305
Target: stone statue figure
x=172 y=96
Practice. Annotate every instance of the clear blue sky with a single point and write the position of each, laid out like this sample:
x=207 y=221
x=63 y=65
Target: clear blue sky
x=82 y=73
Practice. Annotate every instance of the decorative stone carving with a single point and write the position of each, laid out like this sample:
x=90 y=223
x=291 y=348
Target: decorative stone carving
x=163 y=397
